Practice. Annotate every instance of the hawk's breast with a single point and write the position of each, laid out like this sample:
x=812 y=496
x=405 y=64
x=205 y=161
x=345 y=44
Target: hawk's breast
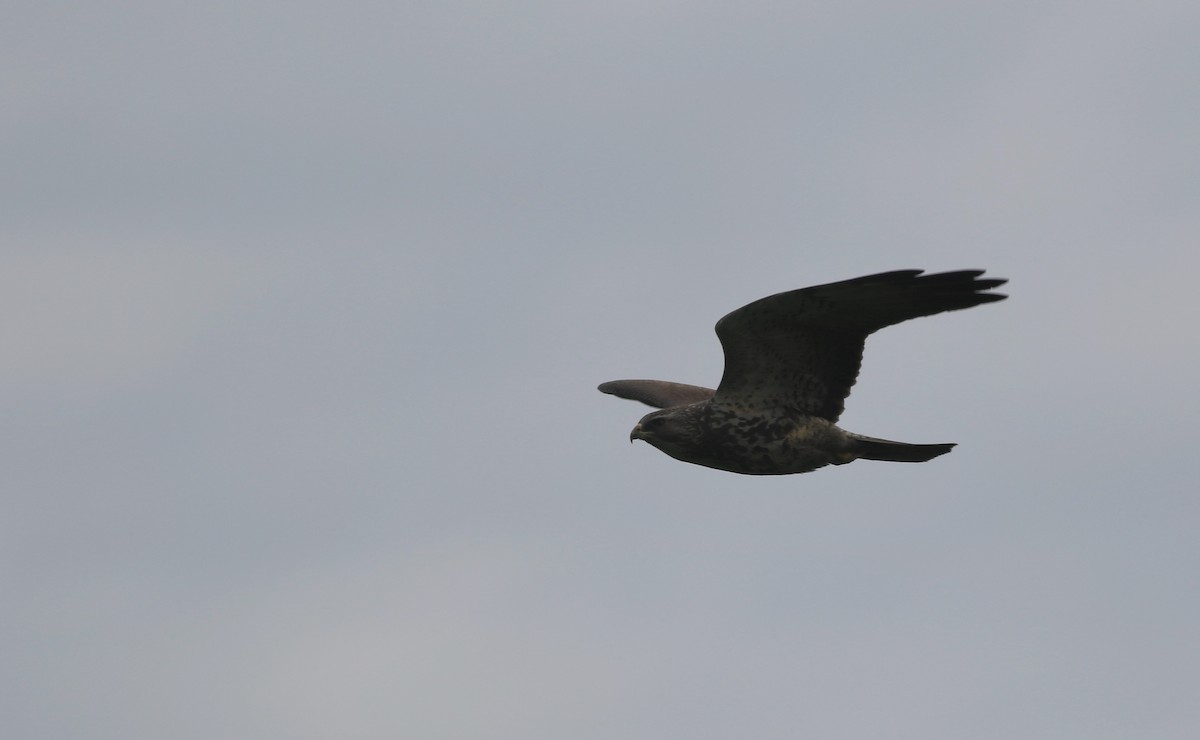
x=772 y=443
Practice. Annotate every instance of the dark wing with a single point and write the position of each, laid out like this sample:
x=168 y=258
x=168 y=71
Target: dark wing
x=802 y=349
x=657 y=393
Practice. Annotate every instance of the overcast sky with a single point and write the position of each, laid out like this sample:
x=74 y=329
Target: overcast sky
x=303 y=306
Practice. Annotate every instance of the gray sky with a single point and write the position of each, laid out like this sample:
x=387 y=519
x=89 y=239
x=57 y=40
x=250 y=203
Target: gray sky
x=303 y=306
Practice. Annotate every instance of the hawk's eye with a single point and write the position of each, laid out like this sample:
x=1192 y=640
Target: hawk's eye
x=657 y=421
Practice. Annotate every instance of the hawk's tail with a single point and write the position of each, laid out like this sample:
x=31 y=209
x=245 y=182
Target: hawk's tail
x=870 y=448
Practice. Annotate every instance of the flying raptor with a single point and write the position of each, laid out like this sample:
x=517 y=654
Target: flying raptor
x=790 y=360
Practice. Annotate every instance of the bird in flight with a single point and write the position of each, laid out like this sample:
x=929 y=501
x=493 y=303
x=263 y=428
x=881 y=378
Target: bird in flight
x=790 y=360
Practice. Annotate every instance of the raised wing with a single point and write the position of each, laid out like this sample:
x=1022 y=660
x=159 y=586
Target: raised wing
x=802 y=349
x=657 y=393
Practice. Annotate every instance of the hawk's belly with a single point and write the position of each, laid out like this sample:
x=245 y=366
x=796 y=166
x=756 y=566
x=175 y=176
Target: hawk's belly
x=769 y=445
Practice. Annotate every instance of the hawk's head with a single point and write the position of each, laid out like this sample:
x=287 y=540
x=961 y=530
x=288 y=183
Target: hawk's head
x=676 y=431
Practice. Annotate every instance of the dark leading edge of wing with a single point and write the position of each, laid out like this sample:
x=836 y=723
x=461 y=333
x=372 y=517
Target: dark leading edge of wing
x=802 y=349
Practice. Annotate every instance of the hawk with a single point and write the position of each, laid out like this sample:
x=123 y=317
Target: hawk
x=790 y=360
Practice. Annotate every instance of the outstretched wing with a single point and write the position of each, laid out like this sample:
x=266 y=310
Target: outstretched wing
x=657 y=393
x=802 y=349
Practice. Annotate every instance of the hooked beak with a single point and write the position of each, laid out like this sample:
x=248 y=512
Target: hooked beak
x=636 y=433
